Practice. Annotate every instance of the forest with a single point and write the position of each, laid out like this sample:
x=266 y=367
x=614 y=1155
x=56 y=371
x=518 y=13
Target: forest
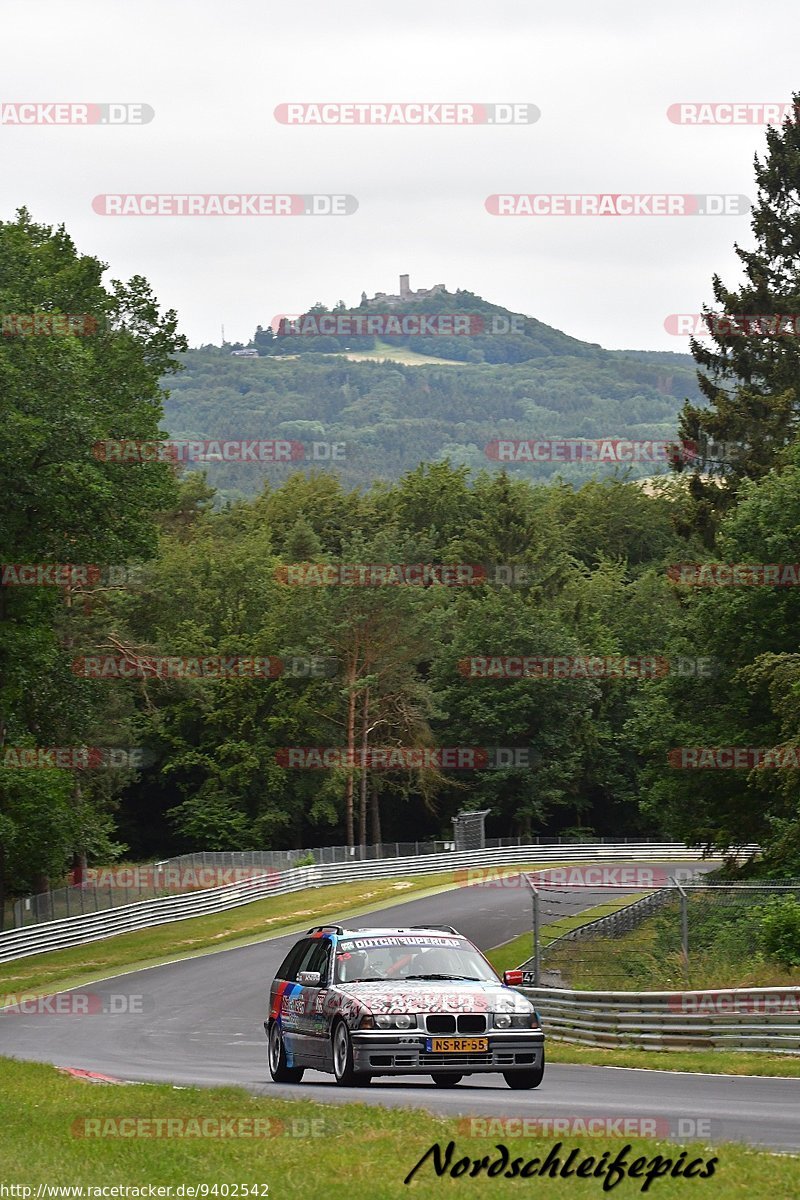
x=390 y=416
x=199 y=633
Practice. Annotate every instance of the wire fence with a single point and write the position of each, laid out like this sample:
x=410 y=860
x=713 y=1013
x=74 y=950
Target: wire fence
x=681 y=933
x=101 y=888
x=262 y=884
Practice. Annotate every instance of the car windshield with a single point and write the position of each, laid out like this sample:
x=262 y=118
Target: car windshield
x=389 y=957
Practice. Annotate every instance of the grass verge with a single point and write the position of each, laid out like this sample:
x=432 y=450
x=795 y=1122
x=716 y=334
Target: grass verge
x=59 y=1131
x=711 y=1062
x=180 y=939
x=238 y=926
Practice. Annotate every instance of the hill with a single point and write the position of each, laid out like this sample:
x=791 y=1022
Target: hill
x=455 y=326
x=391 y=415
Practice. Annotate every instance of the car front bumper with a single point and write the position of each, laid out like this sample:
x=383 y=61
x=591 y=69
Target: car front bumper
x=382 y=1053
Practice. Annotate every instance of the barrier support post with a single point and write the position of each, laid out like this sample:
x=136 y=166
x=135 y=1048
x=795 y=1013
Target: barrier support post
x=535 y=907
x=684 y=925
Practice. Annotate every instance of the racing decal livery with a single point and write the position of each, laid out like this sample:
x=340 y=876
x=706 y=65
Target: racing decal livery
x=360 y=1003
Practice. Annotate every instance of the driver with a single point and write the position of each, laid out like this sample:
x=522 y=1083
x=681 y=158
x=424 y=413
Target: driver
x=433 y=961
x=430 y=961
x=352 y=965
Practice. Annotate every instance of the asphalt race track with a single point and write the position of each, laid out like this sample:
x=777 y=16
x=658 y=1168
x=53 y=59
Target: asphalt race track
x=199 y=1021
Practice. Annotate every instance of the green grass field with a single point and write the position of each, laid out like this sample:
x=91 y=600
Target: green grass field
x=60 y=1131
x=179 y=939
x=400 y=354
x=238 y=926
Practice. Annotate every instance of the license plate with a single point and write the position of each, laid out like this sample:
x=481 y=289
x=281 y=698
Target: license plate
x=451 y=1045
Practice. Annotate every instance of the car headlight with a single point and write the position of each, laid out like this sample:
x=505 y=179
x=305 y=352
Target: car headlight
x=396 y=1021
x=517 y=1020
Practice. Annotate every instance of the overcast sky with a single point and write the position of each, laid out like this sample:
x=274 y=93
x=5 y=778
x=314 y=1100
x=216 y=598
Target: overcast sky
x=602 y=75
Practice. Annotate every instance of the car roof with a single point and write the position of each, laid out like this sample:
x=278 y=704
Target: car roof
x=393 y=931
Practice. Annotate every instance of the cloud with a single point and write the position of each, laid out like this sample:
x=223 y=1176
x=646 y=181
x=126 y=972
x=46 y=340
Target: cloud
x=602 y=75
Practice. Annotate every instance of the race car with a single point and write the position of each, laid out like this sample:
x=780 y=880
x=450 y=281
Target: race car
x=415 y=1001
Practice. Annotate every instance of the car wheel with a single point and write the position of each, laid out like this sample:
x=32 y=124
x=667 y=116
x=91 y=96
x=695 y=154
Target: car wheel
x=442 y=1079
x=519 y=1080
x=278 y=1068
x=343 y=1070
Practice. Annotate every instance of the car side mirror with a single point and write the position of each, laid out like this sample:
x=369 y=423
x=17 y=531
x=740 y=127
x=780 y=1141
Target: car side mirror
x=512 y=978
x=312 y=978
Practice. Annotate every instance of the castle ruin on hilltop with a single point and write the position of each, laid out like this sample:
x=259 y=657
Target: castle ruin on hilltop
x=383 y=299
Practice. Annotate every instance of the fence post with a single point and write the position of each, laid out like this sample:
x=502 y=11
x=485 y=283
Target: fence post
x=535 y=906
x=684 y=925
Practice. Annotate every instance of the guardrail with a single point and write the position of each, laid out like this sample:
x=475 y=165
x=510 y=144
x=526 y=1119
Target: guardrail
x=764 y=1019
x=114 y=886
x=80 y=930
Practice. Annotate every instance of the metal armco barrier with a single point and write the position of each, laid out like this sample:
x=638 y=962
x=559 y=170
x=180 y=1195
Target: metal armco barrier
x=79 y=930
x=727 y=1019
x=148 y=881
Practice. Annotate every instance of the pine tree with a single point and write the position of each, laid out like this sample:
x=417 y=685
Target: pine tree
x=750 y=371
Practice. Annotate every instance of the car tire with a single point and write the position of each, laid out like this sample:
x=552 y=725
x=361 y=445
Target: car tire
x=523 y=1080
x=278 y=1068
x=443 y=1079
x=342 y=1052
